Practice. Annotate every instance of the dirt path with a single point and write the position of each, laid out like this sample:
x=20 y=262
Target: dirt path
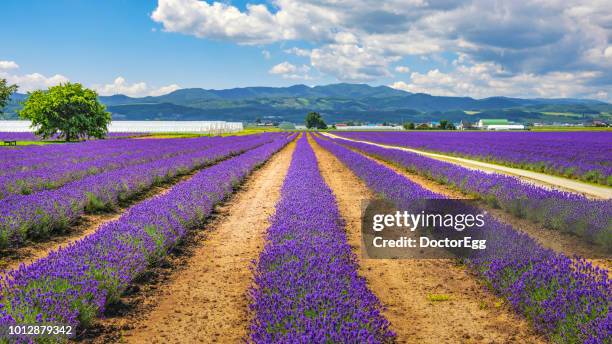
x=557 y=241
x=87 y=224
x=207 y=300
x=540 y=179
x=471 y=315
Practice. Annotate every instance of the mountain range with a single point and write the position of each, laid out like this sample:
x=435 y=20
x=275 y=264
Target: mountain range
x=339 y=102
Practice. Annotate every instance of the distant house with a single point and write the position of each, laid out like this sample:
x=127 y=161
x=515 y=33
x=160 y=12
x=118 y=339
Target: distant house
x=341 y=125
x=464 y=125
x=498 y=124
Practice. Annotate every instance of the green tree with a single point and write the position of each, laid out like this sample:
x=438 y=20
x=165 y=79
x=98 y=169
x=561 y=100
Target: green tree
x=443 y=124
x=314 y=120
x=69 y=110
x=6 y=91
x=409 y=126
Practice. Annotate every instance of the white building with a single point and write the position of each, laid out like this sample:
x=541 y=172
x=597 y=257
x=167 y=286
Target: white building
x=498 y=124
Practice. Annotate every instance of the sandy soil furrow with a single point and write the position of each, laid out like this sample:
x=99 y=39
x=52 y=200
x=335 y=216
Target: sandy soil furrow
x=536 y=178
x=471 y=315
x=87 y=224
x=207 y=300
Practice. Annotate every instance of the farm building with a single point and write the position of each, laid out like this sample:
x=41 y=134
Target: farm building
x=498 y=124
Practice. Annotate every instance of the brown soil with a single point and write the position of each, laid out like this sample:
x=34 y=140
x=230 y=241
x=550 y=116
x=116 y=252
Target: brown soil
x=565 y=243
x=471 y=315
x=87 y=224
x=206 y=299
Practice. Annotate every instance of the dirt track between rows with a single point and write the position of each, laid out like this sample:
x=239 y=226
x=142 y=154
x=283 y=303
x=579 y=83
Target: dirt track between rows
x=471 y=315
x=206 y=301
x=540 y=179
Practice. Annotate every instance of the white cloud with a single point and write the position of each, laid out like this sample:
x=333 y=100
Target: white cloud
x=402 y=69
x=28 y=82
x=290 y=71
x=481 y=80
x=298 y=51
x=350 y=62
x=266 y=54
x=283 y=68
x=164 y=90
x=8 y=65
x=221 y=21
x=139 y=89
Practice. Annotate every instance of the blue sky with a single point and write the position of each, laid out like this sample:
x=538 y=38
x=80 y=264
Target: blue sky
x=465 y=48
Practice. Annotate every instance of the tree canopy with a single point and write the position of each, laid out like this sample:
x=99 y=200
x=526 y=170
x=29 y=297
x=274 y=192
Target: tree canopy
x=314 y=120
x=68 y=110
x=5 y=94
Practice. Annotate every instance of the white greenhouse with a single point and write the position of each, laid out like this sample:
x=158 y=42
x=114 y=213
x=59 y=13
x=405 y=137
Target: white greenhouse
x=211 y=127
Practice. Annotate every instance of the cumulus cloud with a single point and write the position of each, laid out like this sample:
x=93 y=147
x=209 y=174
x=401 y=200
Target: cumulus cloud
x=402 y=69
x=138 y=89
x=488 y=79
x=290 y=71
x=351 y=62
x=28 y=82
x=358 y=40
x=8 y=65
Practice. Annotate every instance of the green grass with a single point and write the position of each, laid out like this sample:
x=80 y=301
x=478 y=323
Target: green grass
x=29 y=143
x=251 y=131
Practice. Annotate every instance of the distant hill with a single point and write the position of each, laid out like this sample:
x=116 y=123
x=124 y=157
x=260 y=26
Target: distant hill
x=341 y=102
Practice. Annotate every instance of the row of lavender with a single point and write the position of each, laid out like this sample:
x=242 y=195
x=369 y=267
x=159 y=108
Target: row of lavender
x=568 y=299
x=307 y=289
x=46 y=212
x=46 y=156
x=38 y=171
x=563 y=211
x=74 y=284
x=580 y=155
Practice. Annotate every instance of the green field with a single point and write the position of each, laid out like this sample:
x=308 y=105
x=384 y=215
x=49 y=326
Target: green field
x=566 y=114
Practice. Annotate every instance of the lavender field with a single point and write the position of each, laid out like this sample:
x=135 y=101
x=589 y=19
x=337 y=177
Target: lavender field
x=579 y=155
x=259 y=237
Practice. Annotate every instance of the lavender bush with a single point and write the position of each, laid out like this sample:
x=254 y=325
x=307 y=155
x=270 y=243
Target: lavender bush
x=568 y=299
x=74 y=284
x=307 y=289
x=580 y=155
